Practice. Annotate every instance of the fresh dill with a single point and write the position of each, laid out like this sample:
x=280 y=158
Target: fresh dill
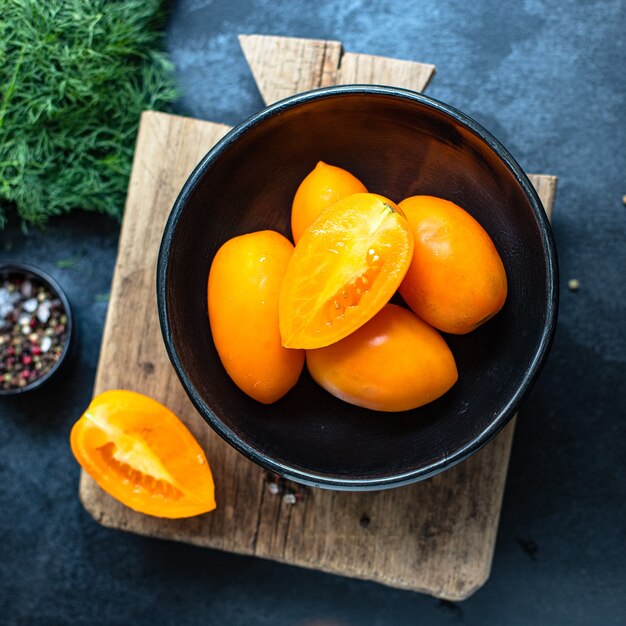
x=75 y=76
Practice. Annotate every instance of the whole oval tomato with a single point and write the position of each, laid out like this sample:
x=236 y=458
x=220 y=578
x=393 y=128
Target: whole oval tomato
x=322 y=187
x=140 y=453
x=244 y=286
x=344 y=269
x=456 y=280
x=395 y=362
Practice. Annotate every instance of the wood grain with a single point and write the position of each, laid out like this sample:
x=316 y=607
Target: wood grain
x=283 y=66
x=436 y=536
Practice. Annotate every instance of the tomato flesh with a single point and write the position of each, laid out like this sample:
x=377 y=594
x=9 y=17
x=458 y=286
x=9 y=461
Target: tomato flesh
x=344 y=269
x=140 y=453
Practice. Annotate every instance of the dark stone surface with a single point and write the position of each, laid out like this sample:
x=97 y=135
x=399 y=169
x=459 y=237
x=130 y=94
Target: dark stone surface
x=548 y=80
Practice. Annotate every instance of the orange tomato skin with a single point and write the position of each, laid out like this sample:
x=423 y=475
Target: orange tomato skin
x=344 y=269
x=243 y=289
x=456 y=280
x=323 y=186
x=140 y=453
x=395 y=362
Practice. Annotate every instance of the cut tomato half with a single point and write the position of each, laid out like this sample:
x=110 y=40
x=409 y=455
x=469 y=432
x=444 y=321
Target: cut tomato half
x=343 y=270
x=140 y=453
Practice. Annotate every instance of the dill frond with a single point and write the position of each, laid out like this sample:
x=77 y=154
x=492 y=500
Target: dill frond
x=75 y=76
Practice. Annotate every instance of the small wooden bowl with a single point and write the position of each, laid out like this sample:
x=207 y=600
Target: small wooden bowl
x=399 y=143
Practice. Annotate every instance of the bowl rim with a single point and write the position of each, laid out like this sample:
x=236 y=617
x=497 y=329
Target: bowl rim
x=498 y=421
x=10 y=267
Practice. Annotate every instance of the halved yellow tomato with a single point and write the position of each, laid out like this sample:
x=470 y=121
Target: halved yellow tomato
x=140 y=453
x=343 y=270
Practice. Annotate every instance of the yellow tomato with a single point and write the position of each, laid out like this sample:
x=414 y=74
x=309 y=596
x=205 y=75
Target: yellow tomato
x=140 y=453
x=345 y=268
x=322 y=187
x=395 y=362
x=244 y=285
x=456 y=280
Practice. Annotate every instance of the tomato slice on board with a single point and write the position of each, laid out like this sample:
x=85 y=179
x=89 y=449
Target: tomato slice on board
x=140 y=453
x=343 y=270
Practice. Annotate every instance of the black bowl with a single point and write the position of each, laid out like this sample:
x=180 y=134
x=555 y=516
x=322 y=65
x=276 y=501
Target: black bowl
x=399 y=143
x=26 y=271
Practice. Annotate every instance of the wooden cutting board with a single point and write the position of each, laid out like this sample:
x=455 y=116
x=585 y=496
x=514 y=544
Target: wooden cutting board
x=436 y=536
